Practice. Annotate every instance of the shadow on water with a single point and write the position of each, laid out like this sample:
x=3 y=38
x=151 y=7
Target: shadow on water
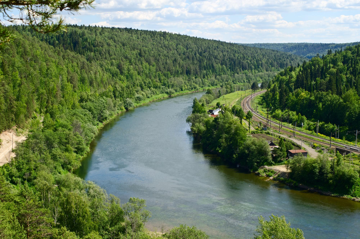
x=85 y=163
x=150 y=154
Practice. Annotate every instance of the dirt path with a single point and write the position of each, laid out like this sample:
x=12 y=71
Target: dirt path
x=9 y=140
x=312 y=152
x=280 y=168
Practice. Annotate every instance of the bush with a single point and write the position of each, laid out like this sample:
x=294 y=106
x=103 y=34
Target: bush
x=128 y=104
x=277 y=228
x=185 y=232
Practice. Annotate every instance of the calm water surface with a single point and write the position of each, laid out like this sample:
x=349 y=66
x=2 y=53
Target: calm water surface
x=147 y=153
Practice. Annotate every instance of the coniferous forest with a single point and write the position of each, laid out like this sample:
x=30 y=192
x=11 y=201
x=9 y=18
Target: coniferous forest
x=324 y=89
x=62 y=87
x=307 y=50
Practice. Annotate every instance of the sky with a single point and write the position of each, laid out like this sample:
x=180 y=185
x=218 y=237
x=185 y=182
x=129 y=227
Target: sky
x=240 y=21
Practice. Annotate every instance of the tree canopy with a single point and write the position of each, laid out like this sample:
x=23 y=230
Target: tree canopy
x=325 y=89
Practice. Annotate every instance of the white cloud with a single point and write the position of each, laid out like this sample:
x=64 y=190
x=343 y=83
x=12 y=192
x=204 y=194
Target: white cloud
x=234 y=20
x=270 y=17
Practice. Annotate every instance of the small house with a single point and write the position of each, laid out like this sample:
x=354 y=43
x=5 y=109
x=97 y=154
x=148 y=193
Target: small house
x=272 y=145
x=292 y=153
x=216 y=112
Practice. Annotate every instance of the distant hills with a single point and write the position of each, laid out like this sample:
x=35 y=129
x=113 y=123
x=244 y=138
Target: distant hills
x=308 y=50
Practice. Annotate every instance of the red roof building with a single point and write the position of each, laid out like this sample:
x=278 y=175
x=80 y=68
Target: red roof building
x=294 y=152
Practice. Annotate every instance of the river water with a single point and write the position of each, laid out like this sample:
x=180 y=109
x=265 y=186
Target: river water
x=147 y=153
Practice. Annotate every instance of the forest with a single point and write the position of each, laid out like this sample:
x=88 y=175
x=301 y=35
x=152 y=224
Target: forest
x=307 y=50
x=63 y=87
x=323 y=89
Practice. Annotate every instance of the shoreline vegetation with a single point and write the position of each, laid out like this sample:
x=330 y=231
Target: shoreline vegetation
x=223 y=136
x=64 y=87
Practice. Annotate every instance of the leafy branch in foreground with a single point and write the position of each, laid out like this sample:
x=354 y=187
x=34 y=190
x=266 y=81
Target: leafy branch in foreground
x=38 y=14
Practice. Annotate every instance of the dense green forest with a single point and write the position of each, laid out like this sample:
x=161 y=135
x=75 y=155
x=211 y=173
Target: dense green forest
x=40 y=72
x=325 y=89
x=63 y=87
x=308 y=50
x=330 y=175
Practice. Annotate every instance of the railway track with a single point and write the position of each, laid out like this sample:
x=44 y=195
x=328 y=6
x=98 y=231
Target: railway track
x=246 y=105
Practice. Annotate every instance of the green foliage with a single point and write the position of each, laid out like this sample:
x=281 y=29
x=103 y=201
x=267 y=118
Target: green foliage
x=185 y=232
x=255 y=86
x=254 y=154
x=197 y=107
x=64 y=86
x=277 y=228
x=170 y=92
x=136 y=215
x=226 y=137
x=325 y=89
x=325 y=174
x=40 y=14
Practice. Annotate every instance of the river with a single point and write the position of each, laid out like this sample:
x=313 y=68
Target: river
x=147 y=153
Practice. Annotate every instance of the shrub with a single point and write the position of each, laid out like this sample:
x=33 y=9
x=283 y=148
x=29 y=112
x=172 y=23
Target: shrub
x=185 y=232
x=278 y=228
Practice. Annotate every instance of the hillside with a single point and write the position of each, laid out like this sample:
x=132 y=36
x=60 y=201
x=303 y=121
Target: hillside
x=119 y=64
x=307 y=50
x=325 y=89
x=64 y=87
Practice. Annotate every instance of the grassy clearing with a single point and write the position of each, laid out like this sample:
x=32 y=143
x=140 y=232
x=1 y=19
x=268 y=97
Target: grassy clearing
x=230 y=99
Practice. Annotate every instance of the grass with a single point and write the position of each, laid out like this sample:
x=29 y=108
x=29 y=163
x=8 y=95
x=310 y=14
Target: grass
x=230 y=99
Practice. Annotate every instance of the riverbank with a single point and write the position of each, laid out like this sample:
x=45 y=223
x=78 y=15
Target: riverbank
x=227 y=139
x=156 y=98
x=148 y=154
x=281 y=173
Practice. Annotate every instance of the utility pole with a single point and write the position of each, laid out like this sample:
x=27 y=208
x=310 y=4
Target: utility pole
x=317 y=128
x=356 y=133
x=294 y=128
x=279 y=127
x=330 y=139
x=356 y=138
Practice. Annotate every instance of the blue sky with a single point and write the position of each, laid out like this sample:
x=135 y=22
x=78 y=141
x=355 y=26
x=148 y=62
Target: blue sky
x=242 y=21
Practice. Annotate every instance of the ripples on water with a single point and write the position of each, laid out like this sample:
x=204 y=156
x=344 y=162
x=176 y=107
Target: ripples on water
x=147 y=153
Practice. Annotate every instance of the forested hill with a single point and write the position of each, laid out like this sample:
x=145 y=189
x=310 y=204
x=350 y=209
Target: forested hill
x=44 y=70
x=308 y=50
x=325 y=89
x=63 y=87
x=170 y=54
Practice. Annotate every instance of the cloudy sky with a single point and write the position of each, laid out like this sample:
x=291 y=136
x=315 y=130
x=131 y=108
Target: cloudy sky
x=242 y=21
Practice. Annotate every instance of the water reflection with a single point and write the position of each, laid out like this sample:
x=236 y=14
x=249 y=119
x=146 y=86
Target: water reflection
x=148 y=153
